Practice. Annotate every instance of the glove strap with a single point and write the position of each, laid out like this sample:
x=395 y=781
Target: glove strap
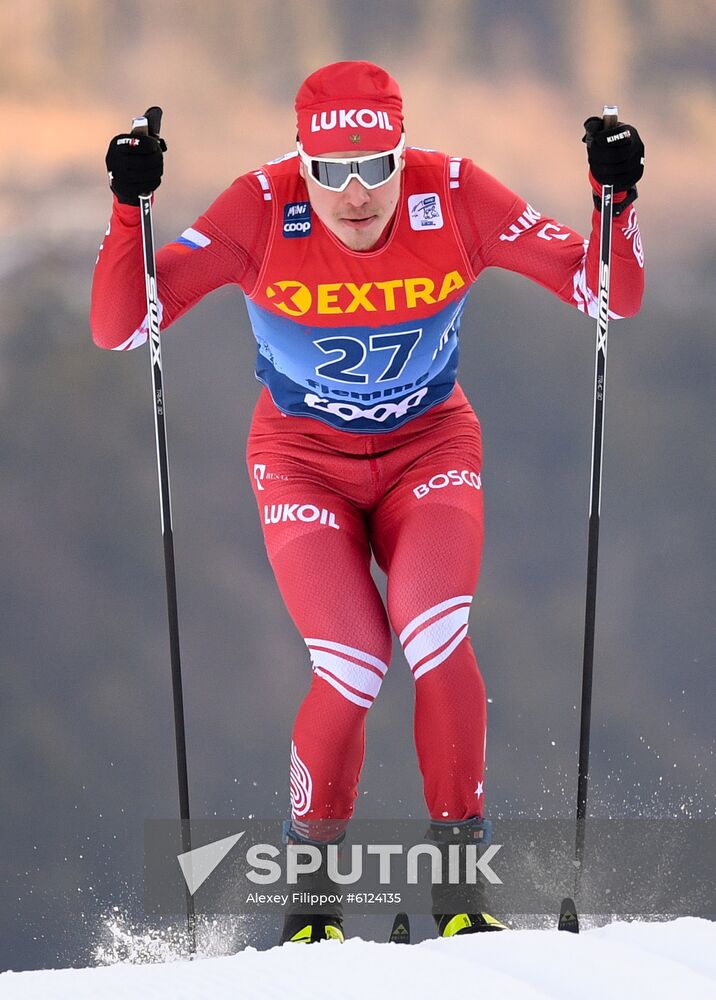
x=618 y=206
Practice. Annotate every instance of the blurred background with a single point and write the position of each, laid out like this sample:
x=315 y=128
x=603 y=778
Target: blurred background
x=86 y=730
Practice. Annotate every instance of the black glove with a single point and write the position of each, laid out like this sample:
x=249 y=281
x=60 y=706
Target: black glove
x=616 y=155
x=136 y=162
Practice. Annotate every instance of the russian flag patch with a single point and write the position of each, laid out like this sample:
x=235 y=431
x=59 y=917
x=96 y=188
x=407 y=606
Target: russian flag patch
x=191 y=239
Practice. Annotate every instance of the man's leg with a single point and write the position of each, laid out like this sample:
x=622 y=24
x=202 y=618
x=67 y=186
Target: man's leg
x=427 y=536
x=317 y=545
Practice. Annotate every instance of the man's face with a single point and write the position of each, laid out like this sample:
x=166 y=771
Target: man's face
x=355 y=215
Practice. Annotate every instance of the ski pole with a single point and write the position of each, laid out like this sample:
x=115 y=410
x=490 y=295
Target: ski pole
x=610 y=117
x=151 y=124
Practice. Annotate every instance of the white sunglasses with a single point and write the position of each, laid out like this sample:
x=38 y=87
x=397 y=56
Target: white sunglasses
x=336 y=175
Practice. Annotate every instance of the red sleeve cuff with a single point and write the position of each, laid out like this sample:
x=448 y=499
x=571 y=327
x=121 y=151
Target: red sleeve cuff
x=128 y=214
x=597 y=188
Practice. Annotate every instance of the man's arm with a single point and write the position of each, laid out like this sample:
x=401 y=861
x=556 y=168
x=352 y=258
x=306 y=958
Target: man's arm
x=500 y=229
x=225 y=245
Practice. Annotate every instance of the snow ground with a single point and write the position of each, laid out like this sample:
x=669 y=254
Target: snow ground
x=671 y=960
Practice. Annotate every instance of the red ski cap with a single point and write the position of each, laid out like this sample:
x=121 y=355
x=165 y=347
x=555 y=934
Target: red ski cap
x=349 y=106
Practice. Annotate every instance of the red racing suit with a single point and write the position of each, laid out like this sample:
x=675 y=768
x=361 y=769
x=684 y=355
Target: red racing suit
x=362 y=443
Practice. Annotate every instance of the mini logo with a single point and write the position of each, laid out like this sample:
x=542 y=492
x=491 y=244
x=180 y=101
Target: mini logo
x=297 y=219
x=425 y=211
x=262 y=475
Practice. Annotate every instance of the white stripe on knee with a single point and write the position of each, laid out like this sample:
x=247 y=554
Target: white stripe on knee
x=431 y=637
x=354 y=674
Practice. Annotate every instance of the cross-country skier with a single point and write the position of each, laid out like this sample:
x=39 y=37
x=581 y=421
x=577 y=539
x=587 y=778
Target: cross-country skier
x=356 y=254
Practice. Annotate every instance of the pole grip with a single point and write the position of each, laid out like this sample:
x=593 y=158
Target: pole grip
x=610 y=115
x=150 y=123
x=154 y=120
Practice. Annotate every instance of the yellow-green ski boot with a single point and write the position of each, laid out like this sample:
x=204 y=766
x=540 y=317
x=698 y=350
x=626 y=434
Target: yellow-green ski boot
x=455 y=924
x=312 y=927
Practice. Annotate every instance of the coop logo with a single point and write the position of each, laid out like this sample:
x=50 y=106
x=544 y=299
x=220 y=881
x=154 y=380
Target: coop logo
x=355 y=118
x=336 y=298
x=425 y=211
x=296 y=219
x=451 y=478
x=350 y=411
x=277 y=513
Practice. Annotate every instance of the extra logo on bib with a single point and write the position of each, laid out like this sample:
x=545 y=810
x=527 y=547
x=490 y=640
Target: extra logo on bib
x=425 y=211
x=297 y=219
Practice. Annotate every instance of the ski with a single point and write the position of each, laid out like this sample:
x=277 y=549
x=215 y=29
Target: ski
x=568 y=918
x=400 y=934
